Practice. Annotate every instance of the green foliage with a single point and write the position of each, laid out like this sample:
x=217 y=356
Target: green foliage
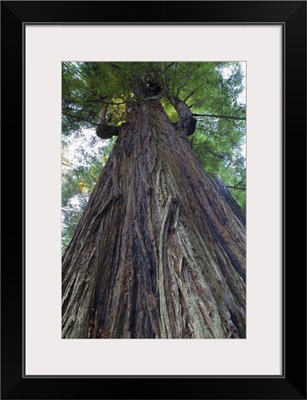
x=219 y=145
x=83 y=157
x=213 y=88
x=169 y=109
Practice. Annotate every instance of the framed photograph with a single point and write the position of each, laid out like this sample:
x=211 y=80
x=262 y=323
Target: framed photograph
x=163 y=160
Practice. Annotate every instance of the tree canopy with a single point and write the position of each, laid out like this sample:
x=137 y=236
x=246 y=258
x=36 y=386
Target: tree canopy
x=214 y=91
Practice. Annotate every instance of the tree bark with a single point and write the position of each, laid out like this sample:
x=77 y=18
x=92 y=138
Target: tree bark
x=103 y=130
x=160 y=249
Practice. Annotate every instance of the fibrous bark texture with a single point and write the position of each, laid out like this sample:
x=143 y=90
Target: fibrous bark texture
x=160 y=249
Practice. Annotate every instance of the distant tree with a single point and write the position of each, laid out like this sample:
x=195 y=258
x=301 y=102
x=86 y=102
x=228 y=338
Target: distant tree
x=159 y=251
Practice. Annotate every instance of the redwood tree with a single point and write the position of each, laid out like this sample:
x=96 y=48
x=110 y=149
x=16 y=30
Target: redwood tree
x=159 y=251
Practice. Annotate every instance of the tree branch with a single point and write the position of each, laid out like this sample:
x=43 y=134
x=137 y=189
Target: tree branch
x=219 y=116
x=192 y=93
x=111 y=129
x=67 y=165
x=81 y=101
x=235 y=187
x=79 y=118
x=186 y=82
x=169 y=65
x=239 y=183
x=103 y=130
x=181 y=87
x=186 y=122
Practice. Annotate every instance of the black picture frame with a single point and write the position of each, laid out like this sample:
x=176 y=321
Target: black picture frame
x=292 y=383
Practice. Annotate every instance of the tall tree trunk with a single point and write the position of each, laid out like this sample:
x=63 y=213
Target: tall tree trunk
x=160 y=249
